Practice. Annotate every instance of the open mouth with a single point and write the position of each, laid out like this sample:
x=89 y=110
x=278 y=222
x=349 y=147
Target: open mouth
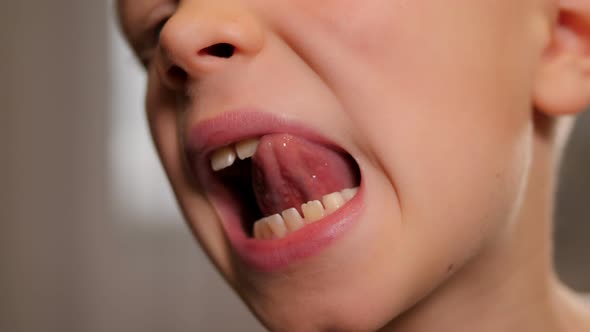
x=281 y=183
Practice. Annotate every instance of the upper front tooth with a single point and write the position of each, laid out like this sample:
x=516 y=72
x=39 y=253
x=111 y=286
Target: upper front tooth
x=333 y=202
x=247 y=148
x=312 y=211
x=223 y=158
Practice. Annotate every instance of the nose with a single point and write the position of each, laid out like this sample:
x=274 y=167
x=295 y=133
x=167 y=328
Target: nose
x=202 y=38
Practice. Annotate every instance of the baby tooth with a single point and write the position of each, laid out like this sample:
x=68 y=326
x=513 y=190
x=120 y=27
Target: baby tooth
x=246 y=148
x=267 y=232
x=258 y=230
x=312 y=211
x=293 y=220
x=277 y=225
x=332 y=202
x=262 y=229
x=223 y=158
x=348 y=194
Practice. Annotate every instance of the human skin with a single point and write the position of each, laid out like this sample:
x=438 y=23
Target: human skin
x=450 y=110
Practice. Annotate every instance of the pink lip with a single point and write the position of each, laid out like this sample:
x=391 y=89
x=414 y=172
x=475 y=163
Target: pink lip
x=262 y=255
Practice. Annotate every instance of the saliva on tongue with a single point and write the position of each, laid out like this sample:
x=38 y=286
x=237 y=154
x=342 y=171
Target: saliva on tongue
x=288 y=171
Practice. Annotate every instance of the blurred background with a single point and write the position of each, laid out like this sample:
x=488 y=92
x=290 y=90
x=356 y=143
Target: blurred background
x=90 y=238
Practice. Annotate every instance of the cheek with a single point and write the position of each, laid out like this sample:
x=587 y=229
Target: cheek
x=165 y=120
x=445 y=105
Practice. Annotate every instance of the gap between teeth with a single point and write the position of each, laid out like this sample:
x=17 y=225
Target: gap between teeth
x=226 y=156
x=288 y=221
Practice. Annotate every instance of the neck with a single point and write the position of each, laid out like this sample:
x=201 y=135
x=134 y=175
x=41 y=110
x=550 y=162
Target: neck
x=510 y=285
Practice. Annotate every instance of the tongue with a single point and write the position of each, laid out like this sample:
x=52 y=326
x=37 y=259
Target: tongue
x=289 y=171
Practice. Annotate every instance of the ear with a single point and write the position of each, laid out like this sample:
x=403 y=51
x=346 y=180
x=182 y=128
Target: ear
x=562 y=86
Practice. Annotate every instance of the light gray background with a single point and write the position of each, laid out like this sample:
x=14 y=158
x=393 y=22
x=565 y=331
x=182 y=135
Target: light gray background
x=68 y=263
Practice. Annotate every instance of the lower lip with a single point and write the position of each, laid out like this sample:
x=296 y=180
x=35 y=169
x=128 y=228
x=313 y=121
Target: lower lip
x=274 y=255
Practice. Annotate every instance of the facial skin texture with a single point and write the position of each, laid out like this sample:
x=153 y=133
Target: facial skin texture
x=436 y=102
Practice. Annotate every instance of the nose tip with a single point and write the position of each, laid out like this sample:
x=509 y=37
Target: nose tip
x=177 y=76
x=195 y=43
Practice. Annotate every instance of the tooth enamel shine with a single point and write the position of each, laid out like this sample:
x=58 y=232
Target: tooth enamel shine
x=348 y=194
x=257 y=230
x=332 y=202
x=223 y=158
x=247 y=148
x=312 y=211
x=264 y=231
x=293 y=219
x=277 y=225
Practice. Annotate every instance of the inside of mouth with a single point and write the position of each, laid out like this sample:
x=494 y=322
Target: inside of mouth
x=284 y=173
x=239 y=180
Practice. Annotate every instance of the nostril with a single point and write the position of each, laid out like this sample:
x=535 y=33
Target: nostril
x=221 y=50
x=177 y=75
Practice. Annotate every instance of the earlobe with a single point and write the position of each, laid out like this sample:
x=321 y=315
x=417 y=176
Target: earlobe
x=562 y=85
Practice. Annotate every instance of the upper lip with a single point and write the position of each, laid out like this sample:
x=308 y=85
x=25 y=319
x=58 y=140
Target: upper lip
x=234 y=126
x=231 y=127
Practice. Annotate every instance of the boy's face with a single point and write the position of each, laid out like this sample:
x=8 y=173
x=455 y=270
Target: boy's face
x=431 y=99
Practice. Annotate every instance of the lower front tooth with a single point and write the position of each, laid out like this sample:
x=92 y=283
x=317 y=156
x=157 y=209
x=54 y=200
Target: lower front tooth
x=262 y=230
x=257 y=231
x=312 y=211
x=332 y=202
x=266 y=231
x=293 y=219
x=348 y=194
x=277 y=225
